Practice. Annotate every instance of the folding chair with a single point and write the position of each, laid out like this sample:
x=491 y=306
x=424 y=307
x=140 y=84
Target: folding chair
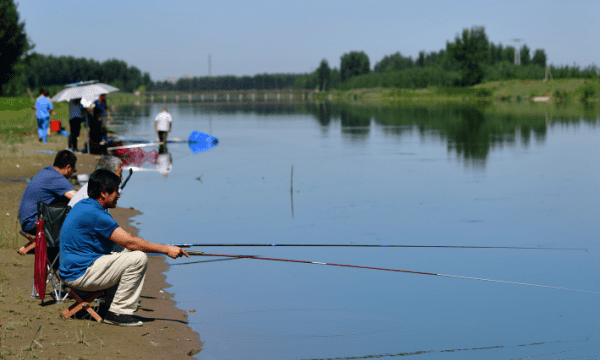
x=82 y=302
x=53 y=217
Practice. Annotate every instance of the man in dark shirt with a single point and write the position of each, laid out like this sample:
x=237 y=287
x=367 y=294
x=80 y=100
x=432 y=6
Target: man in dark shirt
x=50 y=186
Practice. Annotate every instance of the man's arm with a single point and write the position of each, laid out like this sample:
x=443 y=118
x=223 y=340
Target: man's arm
x=69 y=194
x=130 y=242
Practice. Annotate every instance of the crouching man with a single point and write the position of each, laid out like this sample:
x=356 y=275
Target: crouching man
x=86 y=261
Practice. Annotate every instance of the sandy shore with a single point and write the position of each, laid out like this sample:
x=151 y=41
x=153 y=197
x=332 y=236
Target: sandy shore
x=29 y=330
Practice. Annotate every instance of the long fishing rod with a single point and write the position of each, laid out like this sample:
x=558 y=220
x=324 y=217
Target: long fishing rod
x=199 y=253
x=377 y=246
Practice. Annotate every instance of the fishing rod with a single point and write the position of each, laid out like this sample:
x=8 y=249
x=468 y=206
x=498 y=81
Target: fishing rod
x=133 y=146
x=381 y=246
x=126 y=180
x=199 y=253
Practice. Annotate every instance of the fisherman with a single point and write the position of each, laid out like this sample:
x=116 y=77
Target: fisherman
x=50 y=185
x=86 y=261
x=103 y=107
x=106 y=162
x=162 y=125
x=97 y=133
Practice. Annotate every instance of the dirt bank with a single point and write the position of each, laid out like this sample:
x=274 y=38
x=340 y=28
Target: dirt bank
x=165 y=334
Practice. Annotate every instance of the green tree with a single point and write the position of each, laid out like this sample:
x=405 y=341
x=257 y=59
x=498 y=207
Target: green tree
x=421 y=59
x=393 y=62
x=508 y=54
x=525 y=55
x=471 y=52
x=539 y=57
x=324 y=75
x=354 y=63
x=13 y=40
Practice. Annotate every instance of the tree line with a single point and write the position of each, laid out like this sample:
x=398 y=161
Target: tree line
x=467 y=60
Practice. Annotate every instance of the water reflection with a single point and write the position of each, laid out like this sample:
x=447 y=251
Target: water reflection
x=136 y=156
x=164 y=162
x=471 y=132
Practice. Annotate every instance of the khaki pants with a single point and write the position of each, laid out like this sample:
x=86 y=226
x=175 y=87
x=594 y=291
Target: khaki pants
x=121 y=274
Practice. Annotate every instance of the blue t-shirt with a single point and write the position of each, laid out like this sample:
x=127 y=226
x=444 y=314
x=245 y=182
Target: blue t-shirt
x=48 y=186
x=84 y=238
x=101 y=106
x=43 y=107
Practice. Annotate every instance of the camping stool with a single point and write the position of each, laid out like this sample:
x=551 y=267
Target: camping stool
x=82 y=304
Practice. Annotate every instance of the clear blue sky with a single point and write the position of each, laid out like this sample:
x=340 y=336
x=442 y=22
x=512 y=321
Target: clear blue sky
x=170 y=38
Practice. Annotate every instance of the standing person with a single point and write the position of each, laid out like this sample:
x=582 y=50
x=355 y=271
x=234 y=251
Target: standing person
x=50 y=185
x=76 y=112
x=43 y=109
x=87 y=262
x=162 y=125
x=103 y=107
x=97 y=133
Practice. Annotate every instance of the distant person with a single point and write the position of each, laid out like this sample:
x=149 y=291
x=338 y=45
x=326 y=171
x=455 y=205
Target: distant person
x=87 y=262
x=106 y=162
x=102 y=105
x=43 y=108
x=162 y=125
x=76 y=112
x=50 y=185
x=97 y=133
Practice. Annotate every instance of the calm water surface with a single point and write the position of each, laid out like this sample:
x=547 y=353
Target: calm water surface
x=369 y=176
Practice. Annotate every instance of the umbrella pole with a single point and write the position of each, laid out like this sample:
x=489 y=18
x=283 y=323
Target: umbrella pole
x=87 y=125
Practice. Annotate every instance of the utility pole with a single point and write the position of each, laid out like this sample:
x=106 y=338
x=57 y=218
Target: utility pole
x=517 y=51
x=209 y=66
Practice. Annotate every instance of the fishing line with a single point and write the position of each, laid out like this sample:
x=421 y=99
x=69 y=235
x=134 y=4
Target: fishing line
x=376 y=246
x=393 y=270
x=202 y=261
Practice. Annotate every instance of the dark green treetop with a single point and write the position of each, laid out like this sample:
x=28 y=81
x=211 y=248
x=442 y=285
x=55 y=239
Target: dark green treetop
x=354 y=63
x=470 y=51
x=13 y=40
x=324 y=75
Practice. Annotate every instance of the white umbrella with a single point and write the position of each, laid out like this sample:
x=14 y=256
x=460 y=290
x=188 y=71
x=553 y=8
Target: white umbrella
x=87 y=92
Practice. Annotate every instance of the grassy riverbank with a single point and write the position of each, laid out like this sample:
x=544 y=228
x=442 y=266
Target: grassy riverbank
x=17 y=118
x=571 y=97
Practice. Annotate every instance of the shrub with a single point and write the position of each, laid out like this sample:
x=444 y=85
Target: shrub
x=483 y=93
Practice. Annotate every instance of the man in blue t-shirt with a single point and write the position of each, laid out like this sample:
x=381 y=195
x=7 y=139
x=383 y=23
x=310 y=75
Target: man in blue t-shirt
x=86 y=262
x=101 y=104
x=50 y=185
x=43 y=108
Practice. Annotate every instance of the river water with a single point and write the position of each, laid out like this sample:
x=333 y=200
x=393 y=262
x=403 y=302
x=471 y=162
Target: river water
x=319 y=174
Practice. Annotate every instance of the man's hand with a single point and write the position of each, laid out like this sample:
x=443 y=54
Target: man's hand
x=174 y=252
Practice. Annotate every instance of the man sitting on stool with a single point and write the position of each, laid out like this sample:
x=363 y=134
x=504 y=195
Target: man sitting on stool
x=50 y=185
x=86 y=261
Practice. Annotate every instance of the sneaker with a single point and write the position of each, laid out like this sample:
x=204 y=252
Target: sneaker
x=121 y=320
x=102 y=311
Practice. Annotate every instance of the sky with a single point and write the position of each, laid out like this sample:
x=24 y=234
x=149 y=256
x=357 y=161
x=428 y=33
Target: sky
x=176 y=37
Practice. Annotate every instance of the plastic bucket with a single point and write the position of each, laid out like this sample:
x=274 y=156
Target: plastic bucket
x=55 y=125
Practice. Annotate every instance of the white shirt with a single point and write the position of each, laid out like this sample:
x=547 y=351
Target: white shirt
x=163 y=163
x=162 y=121
x=79 y=195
